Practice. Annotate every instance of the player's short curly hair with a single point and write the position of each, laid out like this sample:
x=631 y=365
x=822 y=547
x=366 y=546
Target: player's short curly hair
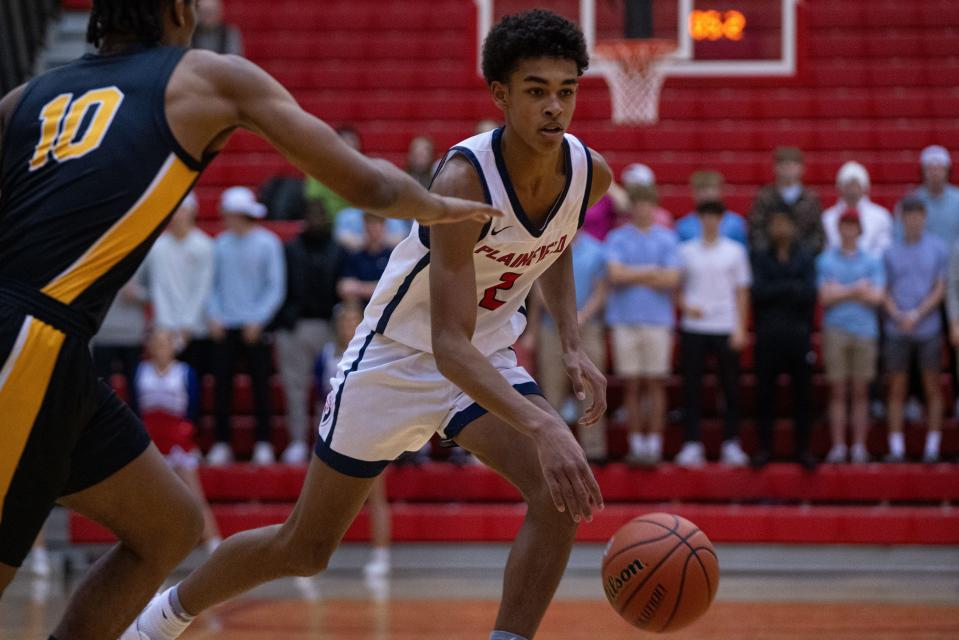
x=140 y=18
x=531 y=34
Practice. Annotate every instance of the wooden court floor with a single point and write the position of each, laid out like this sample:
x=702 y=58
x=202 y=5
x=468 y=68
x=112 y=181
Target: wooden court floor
x=29 y=615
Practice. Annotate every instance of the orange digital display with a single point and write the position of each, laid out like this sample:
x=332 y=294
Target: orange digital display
x=713 y=25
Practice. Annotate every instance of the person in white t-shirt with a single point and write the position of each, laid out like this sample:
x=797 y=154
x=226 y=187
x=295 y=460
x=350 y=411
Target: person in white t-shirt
x=714 y=299
x=179 y=278
x=852 y=182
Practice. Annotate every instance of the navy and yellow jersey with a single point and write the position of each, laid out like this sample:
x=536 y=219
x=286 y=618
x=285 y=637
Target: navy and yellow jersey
x=90 y=171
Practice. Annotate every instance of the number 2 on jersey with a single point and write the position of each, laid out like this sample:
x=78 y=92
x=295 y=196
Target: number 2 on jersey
x=60 y=123
x=490 y=301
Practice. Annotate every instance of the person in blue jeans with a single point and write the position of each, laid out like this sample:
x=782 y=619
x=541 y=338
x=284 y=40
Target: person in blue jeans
x=851 y=285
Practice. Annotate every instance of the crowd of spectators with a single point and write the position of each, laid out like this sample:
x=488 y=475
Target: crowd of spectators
x=657 y=296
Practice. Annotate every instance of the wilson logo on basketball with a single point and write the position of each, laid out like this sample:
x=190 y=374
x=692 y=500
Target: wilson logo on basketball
x=654 y=601
x=615 y=584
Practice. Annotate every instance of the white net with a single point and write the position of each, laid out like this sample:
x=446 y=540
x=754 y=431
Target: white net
x=634 y=72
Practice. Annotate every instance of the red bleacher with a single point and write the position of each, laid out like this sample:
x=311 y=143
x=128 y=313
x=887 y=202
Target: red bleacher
x=877 y=82
x=782 y=504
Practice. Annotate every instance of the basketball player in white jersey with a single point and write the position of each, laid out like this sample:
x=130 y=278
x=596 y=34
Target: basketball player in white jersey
x=433 y=353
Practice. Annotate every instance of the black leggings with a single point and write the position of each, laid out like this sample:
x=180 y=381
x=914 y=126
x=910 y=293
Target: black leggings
x=783 y=354
x=694 y=347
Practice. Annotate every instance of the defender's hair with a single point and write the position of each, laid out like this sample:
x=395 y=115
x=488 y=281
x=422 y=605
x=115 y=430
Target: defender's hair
x=531 y=34
x=140 y=18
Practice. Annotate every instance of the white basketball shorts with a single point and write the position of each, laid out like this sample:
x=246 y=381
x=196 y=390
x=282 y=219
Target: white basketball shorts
x=388 y=398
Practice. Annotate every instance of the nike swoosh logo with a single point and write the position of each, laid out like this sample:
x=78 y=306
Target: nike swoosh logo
x=498 y=231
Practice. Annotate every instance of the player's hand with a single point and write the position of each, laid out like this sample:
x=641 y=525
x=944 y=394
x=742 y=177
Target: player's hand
x=588 y=382
x=451 y=209
x=570 y=480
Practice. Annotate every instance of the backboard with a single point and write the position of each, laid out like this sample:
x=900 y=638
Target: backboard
x=713 y=37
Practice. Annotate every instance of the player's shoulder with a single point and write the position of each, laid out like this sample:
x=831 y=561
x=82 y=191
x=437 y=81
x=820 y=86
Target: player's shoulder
x=460 y=178
x=602 y=176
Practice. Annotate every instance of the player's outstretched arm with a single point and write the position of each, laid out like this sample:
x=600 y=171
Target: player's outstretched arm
x=559 y=293
x=252 y=99
x=453 y=308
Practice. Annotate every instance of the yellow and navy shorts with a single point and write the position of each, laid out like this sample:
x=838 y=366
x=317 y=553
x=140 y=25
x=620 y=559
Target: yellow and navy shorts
x=62 y=430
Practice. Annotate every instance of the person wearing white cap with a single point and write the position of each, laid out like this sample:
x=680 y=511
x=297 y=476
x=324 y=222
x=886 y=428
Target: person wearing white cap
x=249 y=285
x=940 y=197
x=852 y=182
x=638 y=175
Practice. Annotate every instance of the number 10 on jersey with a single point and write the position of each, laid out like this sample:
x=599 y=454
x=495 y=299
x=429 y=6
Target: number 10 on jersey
x=60 y=123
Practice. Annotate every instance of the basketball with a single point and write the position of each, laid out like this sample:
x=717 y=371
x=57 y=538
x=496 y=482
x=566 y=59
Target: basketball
x=660 y=572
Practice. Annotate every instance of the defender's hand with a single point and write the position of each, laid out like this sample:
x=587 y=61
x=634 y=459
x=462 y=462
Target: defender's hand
x=450 y=209
x=588 y=381
x=570 y=480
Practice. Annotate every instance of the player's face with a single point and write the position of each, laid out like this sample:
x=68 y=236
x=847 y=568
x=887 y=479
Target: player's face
x=539 y=100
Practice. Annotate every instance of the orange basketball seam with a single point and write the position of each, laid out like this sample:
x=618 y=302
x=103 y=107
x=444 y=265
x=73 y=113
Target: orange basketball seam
x=709 y=583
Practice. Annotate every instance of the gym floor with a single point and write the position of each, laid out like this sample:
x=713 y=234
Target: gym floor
x=450 y=592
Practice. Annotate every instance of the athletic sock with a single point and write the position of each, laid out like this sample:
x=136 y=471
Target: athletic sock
x=933 y=439
x=164 y=618
x=505 y=635
x=897 y=444
x=637 y=444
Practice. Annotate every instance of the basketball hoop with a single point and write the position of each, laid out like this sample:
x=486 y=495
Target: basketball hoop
x=635 y=75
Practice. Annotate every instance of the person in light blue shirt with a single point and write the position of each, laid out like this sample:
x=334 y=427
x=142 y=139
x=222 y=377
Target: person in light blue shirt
x=707 y=186
x=644 y=271
x=851 y=286
x=940 y=198
x=249 y=285
x=589 y=278
x=916 y=273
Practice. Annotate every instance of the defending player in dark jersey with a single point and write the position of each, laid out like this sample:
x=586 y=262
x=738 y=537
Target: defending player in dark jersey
x=94 y=158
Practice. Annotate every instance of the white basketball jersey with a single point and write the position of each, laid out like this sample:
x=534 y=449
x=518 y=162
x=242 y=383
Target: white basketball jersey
x=510 y=254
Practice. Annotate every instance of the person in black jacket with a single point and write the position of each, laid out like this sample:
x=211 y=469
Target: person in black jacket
x=314 y=265
x=784 y=297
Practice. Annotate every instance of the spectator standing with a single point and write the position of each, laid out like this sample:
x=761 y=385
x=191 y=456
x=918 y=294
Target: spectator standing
x=180 y=277
x=589 y=275
x=118 y=345
x=314 y=262
x=852 y=182
x=784 y=298
x=787 y=193
x=169 y=395
x=851 y=285
x=215 y=34
x=644 y=273
x=707 y=186
x=915 y=273
x=419 y=160
x=249 y=285
x=714 y=299
x=940 y=198
x=364 y=267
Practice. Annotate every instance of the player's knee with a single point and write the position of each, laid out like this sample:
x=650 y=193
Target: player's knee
x=307 y=559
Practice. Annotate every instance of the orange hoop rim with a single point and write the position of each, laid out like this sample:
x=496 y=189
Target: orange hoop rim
x=634 y=54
